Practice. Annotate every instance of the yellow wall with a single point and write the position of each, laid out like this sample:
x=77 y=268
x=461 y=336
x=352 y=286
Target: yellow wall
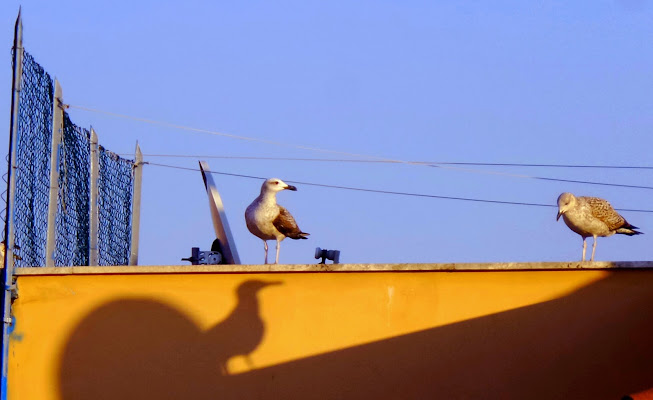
x=387 y=335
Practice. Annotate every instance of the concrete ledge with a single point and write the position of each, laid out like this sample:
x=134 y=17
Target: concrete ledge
x=194 y=269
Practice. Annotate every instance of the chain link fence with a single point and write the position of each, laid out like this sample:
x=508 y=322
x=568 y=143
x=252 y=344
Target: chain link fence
x=115 y=195
x=72 y=222
x=31 y=197
x=32 y=164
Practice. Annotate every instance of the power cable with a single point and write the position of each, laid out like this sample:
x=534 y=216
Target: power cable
x=542 y=178
x=337 y=160
x=354 y=154
x=229 y=135
x=386 y=191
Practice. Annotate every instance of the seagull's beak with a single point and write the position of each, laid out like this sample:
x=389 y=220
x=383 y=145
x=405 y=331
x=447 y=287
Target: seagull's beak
x=291 y=187
x=559 y=214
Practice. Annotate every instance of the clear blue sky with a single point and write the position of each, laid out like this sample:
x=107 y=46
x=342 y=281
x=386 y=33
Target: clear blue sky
x=497 y=81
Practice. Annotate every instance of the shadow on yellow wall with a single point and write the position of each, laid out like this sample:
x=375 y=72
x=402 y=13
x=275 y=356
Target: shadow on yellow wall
x=593 y=344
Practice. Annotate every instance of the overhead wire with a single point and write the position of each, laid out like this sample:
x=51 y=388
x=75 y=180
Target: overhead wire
x=465 y=170
x=450 y=166
x=341 y=160
x=386 y=191
x=217 y=133
x=362 y=157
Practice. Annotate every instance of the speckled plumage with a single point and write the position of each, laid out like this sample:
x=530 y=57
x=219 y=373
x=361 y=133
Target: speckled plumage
x=268 y=220
x=592 y=216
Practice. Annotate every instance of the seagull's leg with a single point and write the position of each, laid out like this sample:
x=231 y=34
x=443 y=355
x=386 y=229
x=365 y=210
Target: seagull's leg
x=278 y=247
x=265 y=244
x=593 y=248
x=584 y=247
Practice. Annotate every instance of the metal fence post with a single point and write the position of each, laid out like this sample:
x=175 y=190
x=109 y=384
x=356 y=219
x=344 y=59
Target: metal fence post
x=8 y=271
x=94 y=213
x=13 y=139
x=136 y=206
x=55 y=149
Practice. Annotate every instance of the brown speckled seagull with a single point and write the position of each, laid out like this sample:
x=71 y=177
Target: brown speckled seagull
x=268 y=220
x=592 y=216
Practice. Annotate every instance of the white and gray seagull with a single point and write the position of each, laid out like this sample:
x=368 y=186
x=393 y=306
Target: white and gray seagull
x=592 y=216
x=268 y=220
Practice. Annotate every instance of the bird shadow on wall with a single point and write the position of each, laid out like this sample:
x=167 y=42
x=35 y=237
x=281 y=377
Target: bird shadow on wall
x=592 y=344
x=144 y=349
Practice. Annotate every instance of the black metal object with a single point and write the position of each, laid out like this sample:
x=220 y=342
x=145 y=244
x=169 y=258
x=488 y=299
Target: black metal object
x=333 y=255
x=213 y=257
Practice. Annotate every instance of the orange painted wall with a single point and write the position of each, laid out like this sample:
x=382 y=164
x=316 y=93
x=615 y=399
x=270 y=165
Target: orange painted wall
x=382 y=335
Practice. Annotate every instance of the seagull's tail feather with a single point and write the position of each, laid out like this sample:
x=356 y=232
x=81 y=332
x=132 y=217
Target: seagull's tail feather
x=628 y=229
x=629 y=232
x=299 y=235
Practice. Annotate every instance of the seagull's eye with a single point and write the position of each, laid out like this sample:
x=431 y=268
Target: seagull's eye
x=276 y=182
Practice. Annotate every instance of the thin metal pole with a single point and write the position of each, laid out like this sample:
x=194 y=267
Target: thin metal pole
x=94 y=215
x=13 y=139
x=220 y=223
x=8 y=271
x=57 y=133
x=136 y=205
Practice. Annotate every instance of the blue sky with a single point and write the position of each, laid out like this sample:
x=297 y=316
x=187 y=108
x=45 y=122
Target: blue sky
x=496 y=82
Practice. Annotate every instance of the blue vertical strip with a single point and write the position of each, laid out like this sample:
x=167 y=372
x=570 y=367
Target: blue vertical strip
x=5 y=350
x=8 y=329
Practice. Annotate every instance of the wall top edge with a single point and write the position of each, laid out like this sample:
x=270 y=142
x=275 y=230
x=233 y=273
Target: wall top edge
x=325 y=268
